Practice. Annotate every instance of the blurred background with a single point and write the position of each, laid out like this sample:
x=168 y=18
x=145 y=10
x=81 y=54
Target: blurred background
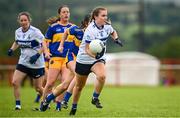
x=149 y=28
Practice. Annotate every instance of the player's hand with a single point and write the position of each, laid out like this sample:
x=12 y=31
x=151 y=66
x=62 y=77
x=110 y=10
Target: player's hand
x=60 y=49
x=10 y=52
x=119 y=42
x=48 y=55
x=99 y=55
x=34 y=58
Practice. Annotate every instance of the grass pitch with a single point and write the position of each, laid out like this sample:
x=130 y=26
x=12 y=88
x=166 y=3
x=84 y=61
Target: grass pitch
x=117 y=102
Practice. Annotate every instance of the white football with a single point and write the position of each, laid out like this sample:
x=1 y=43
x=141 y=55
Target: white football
x=96 y=46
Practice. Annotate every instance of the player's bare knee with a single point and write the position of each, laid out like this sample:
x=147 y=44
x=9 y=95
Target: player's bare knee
x=65 y=86
x=79 y=88
x=15 y=84
x=101 y=78
x=37 y=89
x=50 y=85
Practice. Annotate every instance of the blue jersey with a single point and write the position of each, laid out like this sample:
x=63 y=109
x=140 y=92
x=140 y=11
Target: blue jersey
x=54 y=35
x=78 y=35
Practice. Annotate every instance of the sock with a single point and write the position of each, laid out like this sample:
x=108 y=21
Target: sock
x=58 y=105
x=37 y=98
x=67 y=96
x=95 y=95
x=50 y=97
x=74 y=106
x=18 y=102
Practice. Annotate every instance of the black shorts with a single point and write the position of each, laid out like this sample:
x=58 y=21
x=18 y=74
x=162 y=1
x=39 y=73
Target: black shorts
x=33 y=73
x=85 y=69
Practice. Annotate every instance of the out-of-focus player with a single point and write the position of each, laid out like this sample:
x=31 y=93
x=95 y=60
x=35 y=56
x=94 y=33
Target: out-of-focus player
x=57 y=59
x=31 y=61
x=69 y=82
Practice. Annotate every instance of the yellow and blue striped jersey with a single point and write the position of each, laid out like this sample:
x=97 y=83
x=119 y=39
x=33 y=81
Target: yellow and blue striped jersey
x=54 y=35
x=78 y=33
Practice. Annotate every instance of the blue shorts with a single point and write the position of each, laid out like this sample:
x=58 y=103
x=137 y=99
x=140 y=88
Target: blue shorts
x=33 y=73
x=85 y=69
x=70 y=57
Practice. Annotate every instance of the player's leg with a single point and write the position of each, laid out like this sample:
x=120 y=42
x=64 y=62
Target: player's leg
x=99 y=70
x=38 y=85
x=16 y=82
x=55 y=67
x=67 y=77
x=70 y=82
x=38 y=96
x=52 y=76
x=80 y=83
x=68 y=94
x=59 y=90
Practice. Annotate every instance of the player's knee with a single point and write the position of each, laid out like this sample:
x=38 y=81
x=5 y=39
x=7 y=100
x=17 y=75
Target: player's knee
x=15 y=84
x=50 y=85
x=101 y=78
x=65 y=86
x=79 y=88
x=38 y=89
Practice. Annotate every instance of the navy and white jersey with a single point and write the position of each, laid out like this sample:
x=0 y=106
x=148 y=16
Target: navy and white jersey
x=29 y=42
x=92 y=32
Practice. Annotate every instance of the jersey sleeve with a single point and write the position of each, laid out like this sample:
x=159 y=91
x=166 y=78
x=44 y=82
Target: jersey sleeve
x=111 y=29
x=88 y=35
x=49 y=33
x=72 y=30
x=39 y=36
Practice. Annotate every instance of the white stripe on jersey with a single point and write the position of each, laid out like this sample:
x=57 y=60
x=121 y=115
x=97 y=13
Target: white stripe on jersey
x=93 y=33
x=24 y=39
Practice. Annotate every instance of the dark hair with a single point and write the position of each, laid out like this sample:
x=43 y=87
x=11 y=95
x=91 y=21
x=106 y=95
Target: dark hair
x=95 y=12
x=85 y=21
x=27 y=14
x=52 y=20
x=60 y=8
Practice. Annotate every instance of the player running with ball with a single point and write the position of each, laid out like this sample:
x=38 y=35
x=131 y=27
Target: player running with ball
x=88 y=62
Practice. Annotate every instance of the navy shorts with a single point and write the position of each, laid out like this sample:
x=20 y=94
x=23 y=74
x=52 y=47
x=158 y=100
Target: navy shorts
x=85 y=69
x=33 y=73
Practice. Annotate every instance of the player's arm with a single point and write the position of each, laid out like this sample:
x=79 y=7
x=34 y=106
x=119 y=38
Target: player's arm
x=14 y=46
x=48 y=38
x=39 y=38
x=35 y=57
x=88 y=51
x=45 y=45
x=65 y=35
x=88 y=37
x=12 y=49
x=116 y=39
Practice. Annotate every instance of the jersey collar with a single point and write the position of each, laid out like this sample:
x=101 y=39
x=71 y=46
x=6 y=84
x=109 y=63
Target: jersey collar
x=99 y=27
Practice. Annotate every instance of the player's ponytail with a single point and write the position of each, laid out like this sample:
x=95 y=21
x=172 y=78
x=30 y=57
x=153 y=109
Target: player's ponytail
x=52 y=20
x=85 y=21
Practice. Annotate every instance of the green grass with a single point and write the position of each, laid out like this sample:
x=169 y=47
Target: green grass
x=117 y=102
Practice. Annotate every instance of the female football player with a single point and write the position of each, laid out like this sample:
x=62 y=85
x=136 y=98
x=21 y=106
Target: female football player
x=88 y=62
x=77 y=32
x=57 y=59
x=31 y=61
